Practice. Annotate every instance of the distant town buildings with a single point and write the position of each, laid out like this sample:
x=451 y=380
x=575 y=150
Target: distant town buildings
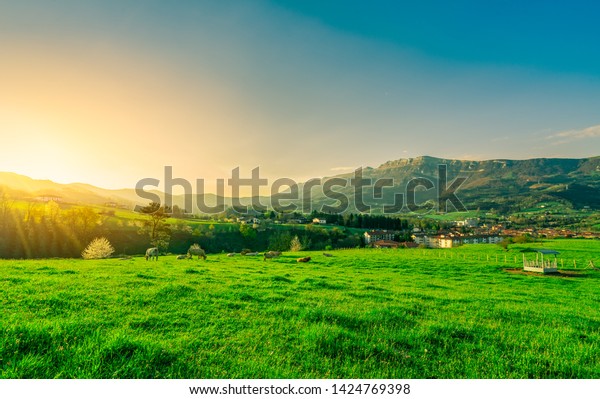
x=454 y=240
x=378 y=235
x=385 y=244
x=48 y=198
x=471 y=222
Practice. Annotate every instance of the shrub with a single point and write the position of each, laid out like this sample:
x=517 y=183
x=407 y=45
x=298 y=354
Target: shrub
x=99 y=248
x=523 y=239
x=505 y=243
x=295 y=245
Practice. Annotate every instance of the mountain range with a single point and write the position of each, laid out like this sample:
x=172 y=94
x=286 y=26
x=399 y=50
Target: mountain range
x=501 y=184
x=506 y=184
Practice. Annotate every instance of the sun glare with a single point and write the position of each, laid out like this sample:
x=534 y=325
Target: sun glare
x=36 y=149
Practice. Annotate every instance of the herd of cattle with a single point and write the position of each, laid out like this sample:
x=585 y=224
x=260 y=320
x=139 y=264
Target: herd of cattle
x=195 y=250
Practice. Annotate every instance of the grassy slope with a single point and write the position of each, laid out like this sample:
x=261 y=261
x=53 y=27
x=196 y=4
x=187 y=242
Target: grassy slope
x=361 y=313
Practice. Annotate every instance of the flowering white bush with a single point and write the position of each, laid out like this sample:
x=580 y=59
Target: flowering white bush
x=99 y=248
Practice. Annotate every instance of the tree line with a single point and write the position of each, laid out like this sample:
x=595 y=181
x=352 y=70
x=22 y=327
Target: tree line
x=48 y=230
x=45 y=230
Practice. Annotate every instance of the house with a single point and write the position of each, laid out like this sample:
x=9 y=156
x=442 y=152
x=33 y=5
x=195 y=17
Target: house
x=448 y=241
x=298 y=221
x=385 y=244
x=424 y=239
x=319 y=221
x=481 y=239
x=470 y=222
x=248 y=220
x=377 y=235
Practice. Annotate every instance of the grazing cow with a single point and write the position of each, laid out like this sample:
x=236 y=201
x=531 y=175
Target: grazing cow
x=303 y=260
x=180 y=257
x=152 y=253
x=251 y=253
x=196 y=250
x=271 y=255
x=327 y=255
x=231 y=254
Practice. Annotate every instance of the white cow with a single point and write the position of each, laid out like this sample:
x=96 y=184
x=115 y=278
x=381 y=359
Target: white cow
x=152 y=253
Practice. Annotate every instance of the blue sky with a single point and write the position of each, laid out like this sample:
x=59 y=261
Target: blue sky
x=298 y=88
x=553 y=36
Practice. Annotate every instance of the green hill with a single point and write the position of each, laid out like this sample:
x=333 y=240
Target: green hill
x=501 y=184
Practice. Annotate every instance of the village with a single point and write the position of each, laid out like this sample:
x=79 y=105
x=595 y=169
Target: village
x=468 y=231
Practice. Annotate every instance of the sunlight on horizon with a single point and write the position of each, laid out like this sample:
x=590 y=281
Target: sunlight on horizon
x=293 y=95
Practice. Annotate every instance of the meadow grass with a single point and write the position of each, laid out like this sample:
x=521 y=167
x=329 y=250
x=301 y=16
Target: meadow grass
x=359 y=314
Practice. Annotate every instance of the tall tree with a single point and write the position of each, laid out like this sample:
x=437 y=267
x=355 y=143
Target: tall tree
x=6 y=206
x=156 y=226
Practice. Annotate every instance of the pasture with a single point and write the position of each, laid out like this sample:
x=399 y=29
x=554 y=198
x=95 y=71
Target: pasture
x=364 y=313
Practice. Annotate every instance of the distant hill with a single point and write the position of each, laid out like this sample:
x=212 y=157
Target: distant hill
x=23 y=187
x=501 y=184
x=26 y=188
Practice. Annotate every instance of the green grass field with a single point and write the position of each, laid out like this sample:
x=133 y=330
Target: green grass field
x=359 y=314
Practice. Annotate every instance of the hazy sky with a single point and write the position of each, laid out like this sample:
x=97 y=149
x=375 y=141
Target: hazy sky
x=109 y=92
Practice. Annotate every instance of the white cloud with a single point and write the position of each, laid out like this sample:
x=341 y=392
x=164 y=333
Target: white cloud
x=575 y=134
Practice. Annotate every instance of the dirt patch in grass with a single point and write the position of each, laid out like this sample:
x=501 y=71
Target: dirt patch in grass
x=560 y=273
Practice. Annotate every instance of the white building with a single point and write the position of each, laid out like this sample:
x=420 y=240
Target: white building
x=377 y=235
x=443 y=241
x=470 y=222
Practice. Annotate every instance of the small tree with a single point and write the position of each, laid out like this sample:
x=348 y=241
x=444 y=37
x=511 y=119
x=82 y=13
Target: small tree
x=247 y=231
x=99 y=248
x=505 y=243
x=156 y=226
x=305 y=243
x=295 y=245
x=280 y=241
